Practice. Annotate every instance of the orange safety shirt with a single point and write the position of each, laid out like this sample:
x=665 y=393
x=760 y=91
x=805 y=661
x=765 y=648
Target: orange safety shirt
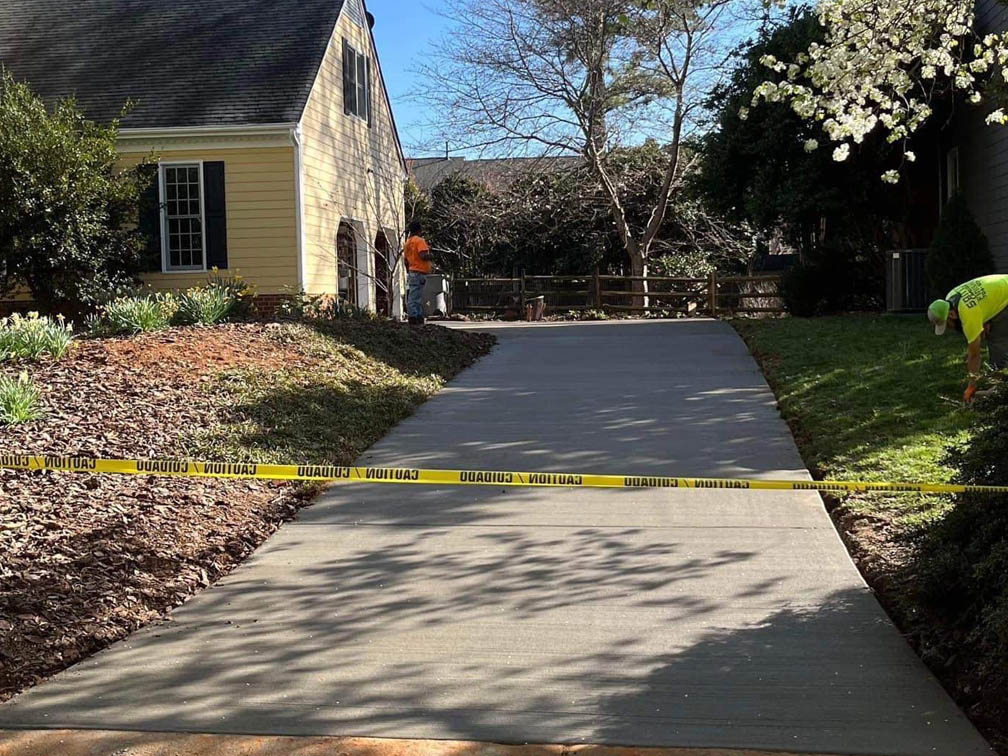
x=414 y=247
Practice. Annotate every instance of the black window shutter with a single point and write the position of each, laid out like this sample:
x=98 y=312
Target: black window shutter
x=215 y=209
x=149 y=222
x=362 y=78
x=349 y=83
x=370 y=115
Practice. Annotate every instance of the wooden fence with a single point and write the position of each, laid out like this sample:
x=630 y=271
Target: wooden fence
x=714 y=295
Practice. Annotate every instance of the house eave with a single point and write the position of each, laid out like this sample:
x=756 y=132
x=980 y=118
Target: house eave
x=212 y=130
x=206 y=137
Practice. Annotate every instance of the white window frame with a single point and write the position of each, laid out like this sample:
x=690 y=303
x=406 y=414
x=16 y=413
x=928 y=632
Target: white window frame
x=355 y=261
x=367 y=83
x=363 y=269
x=163 y=193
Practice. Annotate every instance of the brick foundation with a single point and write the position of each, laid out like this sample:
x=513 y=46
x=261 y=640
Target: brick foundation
x=267 y=305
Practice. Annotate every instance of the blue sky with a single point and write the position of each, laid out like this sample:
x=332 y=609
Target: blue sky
x=404 y=31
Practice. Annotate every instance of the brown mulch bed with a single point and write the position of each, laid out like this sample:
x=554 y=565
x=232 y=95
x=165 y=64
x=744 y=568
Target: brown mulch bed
x=85 y=560
x=88 y=559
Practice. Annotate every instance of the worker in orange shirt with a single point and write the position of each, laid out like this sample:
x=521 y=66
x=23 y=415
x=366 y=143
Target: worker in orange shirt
x=418 y=264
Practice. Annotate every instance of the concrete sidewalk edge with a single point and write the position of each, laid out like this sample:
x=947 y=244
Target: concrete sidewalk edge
x=122 y=743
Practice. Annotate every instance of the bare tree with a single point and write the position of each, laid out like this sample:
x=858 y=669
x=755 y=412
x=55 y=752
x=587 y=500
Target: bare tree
x=584 y=77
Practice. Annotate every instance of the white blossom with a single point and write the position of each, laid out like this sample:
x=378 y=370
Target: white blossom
x=859 y=79
x=891 y=177
x=998 y=116
x=811 y=145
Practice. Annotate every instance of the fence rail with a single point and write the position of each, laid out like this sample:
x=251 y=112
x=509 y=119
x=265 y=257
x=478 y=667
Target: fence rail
x=714 y=295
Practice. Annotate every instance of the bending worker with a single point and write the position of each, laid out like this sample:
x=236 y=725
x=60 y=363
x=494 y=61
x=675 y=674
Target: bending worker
x=974 y=308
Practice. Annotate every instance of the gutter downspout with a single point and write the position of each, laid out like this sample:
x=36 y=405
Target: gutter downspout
x=299 y=198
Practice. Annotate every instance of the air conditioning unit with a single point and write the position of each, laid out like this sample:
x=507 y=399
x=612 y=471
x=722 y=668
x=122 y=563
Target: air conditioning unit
x=906 y=283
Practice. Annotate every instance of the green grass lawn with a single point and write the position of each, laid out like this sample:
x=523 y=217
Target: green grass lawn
x=872 y=397
x=345 y=383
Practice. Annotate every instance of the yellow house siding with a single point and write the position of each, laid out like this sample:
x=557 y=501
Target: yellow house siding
x=260 y=196
x=350 y=171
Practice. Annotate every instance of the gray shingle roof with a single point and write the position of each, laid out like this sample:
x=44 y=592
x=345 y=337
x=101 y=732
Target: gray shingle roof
x=495 y=173
x=182 y=63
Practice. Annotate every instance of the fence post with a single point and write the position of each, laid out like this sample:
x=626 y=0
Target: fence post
x=712 y=293
x=597 y=283
x=521 y=297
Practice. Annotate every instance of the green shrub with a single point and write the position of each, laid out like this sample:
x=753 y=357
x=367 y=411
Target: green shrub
x=237 y=287
x=959 y=251
x=842 y=277
x=962 y=560
x=19 y=400
x=29 y=337
x=68 y=208
x=801 y=289
x=127 y=316
x=851 y=277
x=304 y=306
x=205 y=306
x=683 y=264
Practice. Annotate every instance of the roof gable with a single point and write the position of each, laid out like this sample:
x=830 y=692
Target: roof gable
x=184 y=63
x=355 y=12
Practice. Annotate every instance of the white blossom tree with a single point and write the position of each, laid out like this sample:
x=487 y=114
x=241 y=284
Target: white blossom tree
x=881 y=66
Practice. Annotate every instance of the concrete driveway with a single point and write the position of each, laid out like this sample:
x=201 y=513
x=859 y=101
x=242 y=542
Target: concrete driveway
x=665 y=618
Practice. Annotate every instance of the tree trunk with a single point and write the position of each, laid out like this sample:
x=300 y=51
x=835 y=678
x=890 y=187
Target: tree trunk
x=638 y=268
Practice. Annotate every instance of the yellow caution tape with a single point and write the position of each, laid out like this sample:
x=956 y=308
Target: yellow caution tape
x=456 y=477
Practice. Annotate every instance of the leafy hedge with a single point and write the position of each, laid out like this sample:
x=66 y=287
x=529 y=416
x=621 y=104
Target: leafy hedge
x=68 y=209
x=841 y=278
x=959 y=252
x=962 y=562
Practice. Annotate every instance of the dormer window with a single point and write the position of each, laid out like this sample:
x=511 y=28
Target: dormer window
x=356 y=83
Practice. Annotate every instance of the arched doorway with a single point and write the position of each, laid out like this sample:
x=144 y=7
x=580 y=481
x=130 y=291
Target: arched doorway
x=383 y=282
x=346 y=262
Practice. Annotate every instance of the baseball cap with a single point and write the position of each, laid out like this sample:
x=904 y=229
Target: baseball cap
x=938 y=314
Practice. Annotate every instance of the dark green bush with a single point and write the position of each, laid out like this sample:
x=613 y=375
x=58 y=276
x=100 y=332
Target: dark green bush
x=852 y=277
x=959 y=251
x=842 y=277
x=962 y=561
x=802 y=291
x=68 y=210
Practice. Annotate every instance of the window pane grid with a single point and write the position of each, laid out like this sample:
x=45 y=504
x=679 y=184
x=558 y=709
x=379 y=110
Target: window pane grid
x=358 y=83
x=183 y=216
